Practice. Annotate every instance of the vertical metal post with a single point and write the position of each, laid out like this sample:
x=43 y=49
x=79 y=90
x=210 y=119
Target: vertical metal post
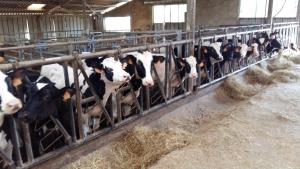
x=297 y=28
x=71 y=113
x=191 y=17
x=15 y=141
x=270 y=18
x=85 y=23
x=78 y=97
x=27 y=141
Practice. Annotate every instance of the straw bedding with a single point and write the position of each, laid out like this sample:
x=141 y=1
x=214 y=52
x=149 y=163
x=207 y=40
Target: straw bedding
x=139 y=148
x=257 y=75
x=144 y=146
x=239 y=90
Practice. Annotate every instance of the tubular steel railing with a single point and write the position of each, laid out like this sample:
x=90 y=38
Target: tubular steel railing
x=147 y=102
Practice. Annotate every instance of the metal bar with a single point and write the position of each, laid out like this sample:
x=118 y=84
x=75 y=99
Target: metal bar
x=27 y=141
x=71 y=113
x=8 y=162
x=98 y=100
x=66 y=58
x=82 y=42
x=78 y=100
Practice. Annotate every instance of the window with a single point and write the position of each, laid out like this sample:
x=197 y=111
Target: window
x=117 y=24
x=254 y=8
x=285 y=8
x=27 y=33
x=169 y=13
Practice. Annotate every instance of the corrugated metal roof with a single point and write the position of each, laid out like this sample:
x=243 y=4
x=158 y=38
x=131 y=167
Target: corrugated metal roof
x=64 y=6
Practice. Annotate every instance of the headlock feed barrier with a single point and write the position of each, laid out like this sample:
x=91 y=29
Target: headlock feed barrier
x=41 y=140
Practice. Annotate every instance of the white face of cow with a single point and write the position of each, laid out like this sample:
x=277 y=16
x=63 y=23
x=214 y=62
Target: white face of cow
x=192 y=62
x=146 y=58
x=147 y=61
x=9 y=103
x=114 y=71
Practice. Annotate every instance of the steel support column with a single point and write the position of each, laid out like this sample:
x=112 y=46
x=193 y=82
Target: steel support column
x=191 y=17
x=270 y=18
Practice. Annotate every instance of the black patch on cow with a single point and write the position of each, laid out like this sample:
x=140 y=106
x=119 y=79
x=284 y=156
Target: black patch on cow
x=237 y=52
x=183 y=67
x=95 y=62
x=157 y=58
x=227 y=52
x=274 y=45
x=99 y=87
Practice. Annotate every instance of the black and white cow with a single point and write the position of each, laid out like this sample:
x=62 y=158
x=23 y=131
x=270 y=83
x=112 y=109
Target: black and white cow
x=9 y=104
x=274 y=45
x=210 y=53
x=105 y=74
x=139 y=66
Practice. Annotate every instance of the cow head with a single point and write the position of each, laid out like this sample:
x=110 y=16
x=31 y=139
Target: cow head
x=187 y=66
x=140 y=63
x=9 y=104
x=43 y=100
x=112 y=69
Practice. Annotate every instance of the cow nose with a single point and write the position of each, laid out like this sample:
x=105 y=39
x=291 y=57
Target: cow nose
x=14 y=105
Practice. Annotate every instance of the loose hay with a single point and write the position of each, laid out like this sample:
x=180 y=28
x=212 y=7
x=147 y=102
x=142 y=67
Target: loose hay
x=279 y=63
x=144 y=146
x=257 y=75
x=295 y=59
x=239 y=90
x=285 y=76
x=93 y=161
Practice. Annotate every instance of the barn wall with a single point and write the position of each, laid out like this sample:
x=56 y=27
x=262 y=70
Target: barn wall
x=141 y=14
x=14 y=28
x=217 y=12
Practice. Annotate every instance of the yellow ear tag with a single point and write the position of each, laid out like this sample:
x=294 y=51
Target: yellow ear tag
x=16 y=82
x=67 y=96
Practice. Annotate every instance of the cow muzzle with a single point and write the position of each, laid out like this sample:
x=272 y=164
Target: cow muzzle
x=12 y=106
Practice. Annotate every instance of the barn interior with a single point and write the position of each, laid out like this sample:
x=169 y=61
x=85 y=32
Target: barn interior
x=37 y=33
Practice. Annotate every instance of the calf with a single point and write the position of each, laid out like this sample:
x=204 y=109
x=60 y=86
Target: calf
x=9 y=104
x=105 y=74
x=274 y=44
x=138 y=65
x=42 y=101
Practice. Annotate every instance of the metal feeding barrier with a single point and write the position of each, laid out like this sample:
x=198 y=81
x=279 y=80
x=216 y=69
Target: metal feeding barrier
x=149 y=100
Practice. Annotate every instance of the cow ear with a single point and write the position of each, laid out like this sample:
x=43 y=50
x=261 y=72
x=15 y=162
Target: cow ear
x=158 y=59
x=67 y=93
x=91 y=62
x=129 y=59
x=17 y=77
x=181 y=61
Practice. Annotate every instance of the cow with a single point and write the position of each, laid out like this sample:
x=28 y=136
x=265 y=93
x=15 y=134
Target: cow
x=105 y=74
x=274 y=45
x=139 y=66
x=41 y=101
x=9 y=104
x=209 y=54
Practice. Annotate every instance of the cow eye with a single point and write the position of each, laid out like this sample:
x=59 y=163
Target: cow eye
x=109 y=73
